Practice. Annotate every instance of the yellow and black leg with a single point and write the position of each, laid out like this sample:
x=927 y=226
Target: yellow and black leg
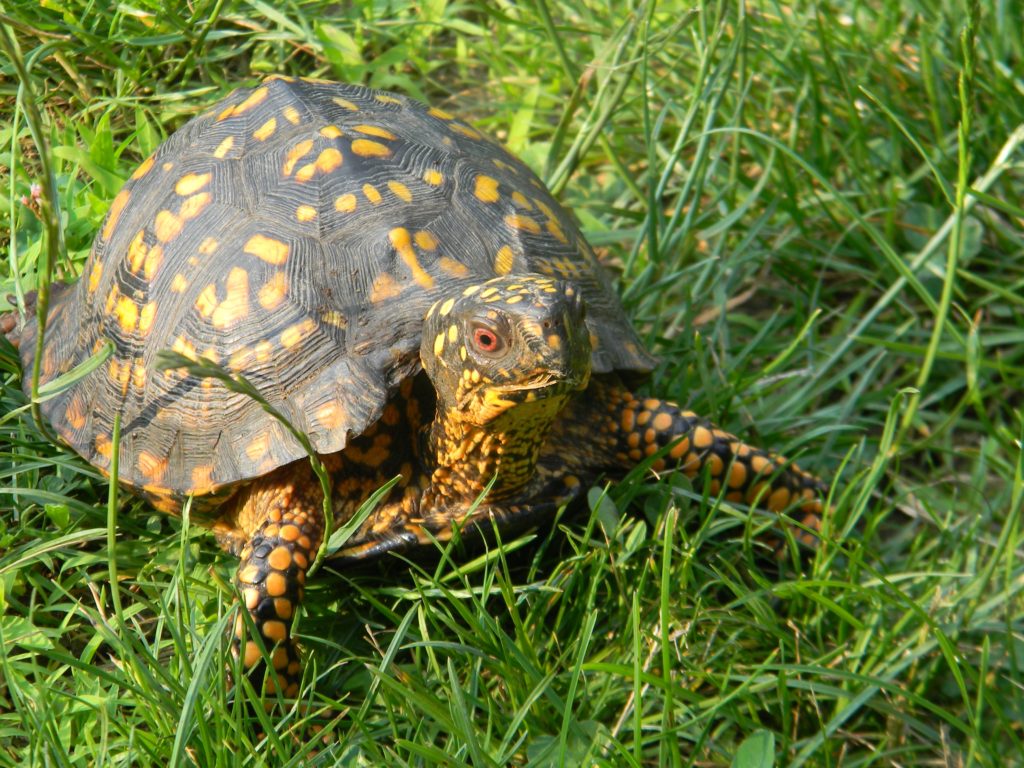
x=633 y=429
x=271 y=579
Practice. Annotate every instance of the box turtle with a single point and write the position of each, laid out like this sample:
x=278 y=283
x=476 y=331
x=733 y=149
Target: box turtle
x=406 y=294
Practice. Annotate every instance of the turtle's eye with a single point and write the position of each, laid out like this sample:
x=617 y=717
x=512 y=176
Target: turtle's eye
x=487 y=339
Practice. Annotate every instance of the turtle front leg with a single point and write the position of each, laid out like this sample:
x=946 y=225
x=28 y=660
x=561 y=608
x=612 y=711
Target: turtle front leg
x=610 y=430
x=285 y=520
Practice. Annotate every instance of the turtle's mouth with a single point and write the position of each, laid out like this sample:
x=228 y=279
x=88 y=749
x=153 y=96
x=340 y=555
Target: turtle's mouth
x=548 y=383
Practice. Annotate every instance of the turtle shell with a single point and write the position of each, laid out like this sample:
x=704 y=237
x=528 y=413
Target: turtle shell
x=296 y=234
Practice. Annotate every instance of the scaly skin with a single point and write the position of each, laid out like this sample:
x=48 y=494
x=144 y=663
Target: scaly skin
x=528 y=416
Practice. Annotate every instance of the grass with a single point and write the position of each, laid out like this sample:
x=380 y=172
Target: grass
x=815 y=212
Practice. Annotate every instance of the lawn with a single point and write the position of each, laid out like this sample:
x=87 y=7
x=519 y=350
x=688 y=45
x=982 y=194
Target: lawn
x=813 y=214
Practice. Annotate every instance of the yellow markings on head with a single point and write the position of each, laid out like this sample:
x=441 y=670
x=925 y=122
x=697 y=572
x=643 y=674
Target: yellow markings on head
x=295 y=334
x=235 y=306
x=486 y=189
x=452 y=267
x=143 y=169
x=555 y=342
x=504 y=260
x=520 y=199
x=151 y=466
x=146 y=317
x=127 y=313
x=446 y=307
x=438 y=344
x=330 y=132
x=266 y=130
x=440 y=114
x=399 y=237
x=94 y=276
x=433 y=177
x=74 y=414
x=368 y=148
x=167 y=226
x=268 y=249
x=258 y=447
x=120 y=200
x=273 y=292
x=224 y=147
x=453 y=333
x=375 y=130
x=194 y=205
x=331 y=415
x=384 y=287
x=191 y=183
x=471 y=290
x=295 y=154
x=400 y=191
x=524 y=223
x=345 y=104
x=305 y=213
x=254 y=99
x=372 y=194
x=179 y=283
x=291 y=114
x=345 y=203
x=465 y=130
x=328 y=160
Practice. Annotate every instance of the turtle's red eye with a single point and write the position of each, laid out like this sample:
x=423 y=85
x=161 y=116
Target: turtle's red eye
x=487 y=340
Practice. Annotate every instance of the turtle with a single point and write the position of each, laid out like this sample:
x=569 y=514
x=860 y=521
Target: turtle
x=401 y=291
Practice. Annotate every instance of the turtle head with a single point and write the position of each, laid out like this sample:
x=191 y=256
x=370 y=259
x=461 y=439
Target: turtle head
x=508 y=342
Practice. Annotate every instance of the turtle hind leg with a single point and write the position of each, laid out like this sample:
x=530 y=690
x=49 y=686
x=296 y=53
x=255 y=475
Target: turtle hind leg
x=611 y=430
x=271 y=580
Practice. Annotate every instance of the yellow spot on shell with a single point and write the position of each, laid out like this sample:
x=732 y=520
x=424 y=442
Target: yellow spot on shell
x=440 y=114
x=399 y=237
x=372 y=194
x=375 y=130
x=426 y=240
x=139 y=375
x=520 y=199
x=274 y=291
x=206 y=302
x=208 y=246
x=400 y=191
x=258 y=447
x=486 y=189
x=345 y=203
x=452 y=267
x=115 y=213
x=327 y=161
x=167 y=226
x=383 y=98
x=384 y=287
x=146 y=317
x=503 y=260
x=556 y=231
x=127 y=314
x=143 y=169
x=266 y=130
x=137 y=251
x=291 y=114
x=191 y=183
x=305 y=213
x=465 y=130
x=75 y=413
x=154 y=257
x=94 y=276
x=330 y=415
x=330 y=132
x=263 y=350
x=235 y=306
x=433 y=177
x=224 y=147
x=294 y=334
x=194 y=205
x=295 y=154
x=268 y=249
x=103 y=446
x=179 y=283
x=151 y=466
x=368 y=148
x=524 y=223
x=345 y=104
